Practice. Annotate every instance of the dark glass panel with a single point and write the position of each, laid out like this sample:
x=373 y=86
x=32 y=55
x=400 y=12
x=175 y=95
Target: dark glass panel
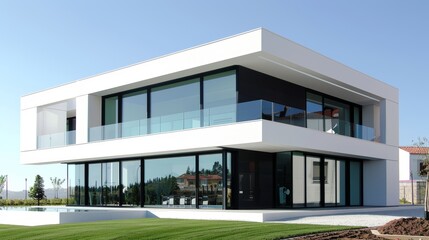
x=355 y=183
x=210 y=181
x=110 y=117
x=228 y=180
x=283 y=175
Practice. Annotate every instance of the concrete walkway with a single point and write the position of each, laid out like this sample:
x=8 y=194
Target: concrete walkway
x=366 y=216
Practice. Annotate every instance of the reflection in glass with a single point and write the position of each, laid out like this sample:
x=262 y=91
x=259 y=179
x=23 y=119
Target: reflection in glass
x=220 y=97
x=110 y=117
x=134 y=113
x=313 y=181
x=298 y=182
x=94 y=184
x=110 y=180
x=170 y=182
x=228 y=180
x=210 y=181
x=170 y=102
x=76 y=184
x=337 y=117
x=283 y=180
x=330 y=182
x=314 y=112
x=355 y=183
x=131 y=183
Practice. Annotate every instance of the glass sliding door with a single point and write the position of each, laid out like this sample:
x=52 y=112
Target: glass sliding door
x=313 y=180
x=220 y=98
x=170 y=182
x=131 y=183
x=315 y=112
x=110 y=180
x=228 y=180
x=134 y=114
x=341 y=183
x=298 y=166
x=76 y=184
x=94 y=184
x=175 y=106
x=210 y=181
x=330 y=171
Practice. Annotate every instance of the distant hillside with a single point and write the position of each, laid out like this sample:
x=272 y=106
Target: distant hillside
x=49 y=192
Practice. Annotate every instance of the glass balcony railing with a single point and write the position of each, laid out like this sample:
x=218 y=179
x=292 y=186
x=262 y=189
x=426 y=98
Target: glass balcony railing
x=56 y=139
x=247 y=111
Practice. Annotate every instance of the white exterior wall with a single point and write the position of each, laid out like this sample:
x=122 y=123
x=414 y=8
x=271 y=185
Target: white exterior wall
x=404 y=165
x=28 y=133
x=381 y=183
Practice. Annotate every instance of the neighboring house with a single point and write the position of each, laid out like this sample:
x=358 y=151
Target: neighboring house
x=257 y=120
x=410 y=181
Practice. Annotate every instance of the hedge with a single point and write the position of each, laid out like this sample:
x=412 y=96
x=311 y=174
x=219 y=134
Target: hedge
x=32 y=202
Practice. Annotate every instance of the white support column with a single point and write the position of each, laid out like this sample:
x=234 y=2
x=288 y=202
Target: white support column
x=88 y=114
x=381 y=183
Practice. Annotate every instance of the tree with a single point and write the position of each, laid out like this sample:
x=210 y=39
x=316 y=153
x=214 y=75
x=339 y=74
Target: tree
x=2 y=182
x=423 y=148
x=37 y=191
x=56 y=183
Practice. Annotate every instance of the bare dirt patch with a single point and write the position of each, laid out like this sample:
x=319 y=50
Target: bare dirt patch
x=403 y=226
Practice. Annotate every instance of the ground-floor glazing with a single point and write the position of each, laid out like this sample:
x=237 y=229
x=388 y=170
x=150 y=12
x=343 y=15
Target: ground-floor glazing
x=226 y=179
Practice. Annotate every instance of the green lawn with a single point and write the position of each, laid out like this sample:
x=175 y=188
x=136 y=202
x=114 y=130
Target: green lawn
x=150 y=228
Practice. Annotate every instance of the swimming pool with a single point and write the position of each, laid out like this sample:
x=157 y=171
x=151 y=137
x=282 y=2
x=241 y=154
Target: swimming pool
x=46 y=215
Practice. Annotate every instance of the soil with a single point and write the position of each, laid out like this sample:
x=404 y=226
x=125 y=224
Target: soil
x=403 y=226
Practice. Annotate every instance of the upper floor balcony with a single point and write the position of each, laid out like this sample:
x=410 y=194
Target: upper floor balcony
x=228 y=114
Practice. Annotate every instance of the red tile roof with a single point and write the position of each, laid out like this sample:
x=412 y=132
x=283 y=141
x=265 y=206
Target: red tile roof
x=416 y=150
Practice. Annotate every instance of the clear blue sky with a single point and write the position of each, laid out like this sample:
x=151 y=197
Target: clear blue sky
x=48 y=43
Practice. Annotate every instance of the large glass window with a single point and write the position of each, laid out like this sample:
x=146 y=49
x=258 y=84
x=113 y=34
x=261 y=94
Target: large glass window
x=210 y=181
x=337 y=117
x=175 y=106
x=220 y=97
x=131 y=183
x=330 y=170
x=110 y=180
x=94 y=184
x=110 y=117
x=298 y=166
x=134 y=113
x=170 y=182
x=355 y=183
x=313 y=181
x=314 y=111
x=76 y=184
x=283 y=175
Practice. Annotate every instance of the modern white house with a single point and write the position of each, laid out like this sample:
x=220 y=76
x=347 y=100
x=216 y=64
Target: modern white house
x=252 y=121
x=411 y=183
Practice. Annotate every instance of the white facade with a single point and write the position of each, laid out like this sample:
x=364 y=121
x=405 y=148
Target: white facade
x=44 y=114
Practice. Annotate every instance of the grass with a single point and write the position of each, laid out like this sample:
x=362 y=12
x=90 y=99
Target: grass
x=151 y=228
